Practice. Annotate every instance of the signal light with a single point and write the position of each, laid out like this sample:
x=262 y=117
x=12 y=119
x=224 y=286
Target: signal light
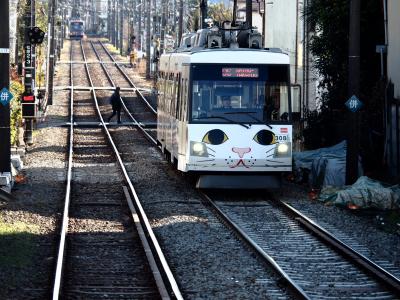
x=27 y=98
x=36 y=35
x=29 y=107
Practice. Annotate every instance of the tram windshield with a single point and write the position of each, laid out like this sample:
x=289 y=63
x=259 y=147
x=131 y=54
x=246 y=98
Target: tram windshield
x=76 y=26
x=256 y=94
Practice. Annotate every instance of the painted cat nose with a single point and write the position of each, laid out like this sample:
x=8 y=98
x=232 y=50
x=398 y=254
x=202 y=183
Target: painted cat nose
x=241 y=151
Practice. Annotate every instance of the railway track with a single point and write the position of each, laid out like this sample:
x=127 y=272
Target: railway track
x=138 y=111
x=102 y=254
x=313 y=263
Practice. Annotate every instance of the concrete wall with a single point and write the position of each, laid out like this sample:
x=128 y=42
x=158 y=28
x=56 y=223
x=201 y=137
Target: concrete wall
x=280 y=32
x=394 y=45
x=280 y=28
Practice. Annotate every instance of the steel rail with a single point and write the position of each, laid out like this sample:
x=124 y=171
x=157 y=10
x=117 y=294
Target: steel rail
x=91 y=62
x=97 y=88
x=297 y=290
x=87 y=88
x=5 y=195
x=359 y=259
x=61 y=249
x=102 y=65
x=137 y=123
x=128 y=79
x=160 y=255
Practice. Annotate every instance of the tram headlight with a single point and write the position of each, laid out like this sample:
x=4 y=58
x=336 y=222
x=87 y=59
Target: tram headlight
x=283 y=150
x=198 y=149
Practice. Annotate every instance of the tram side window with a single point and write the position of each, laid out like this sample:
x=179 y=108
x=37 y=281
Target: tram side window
x=178 y=96
x=183 y=100
x=174 y=96
x=160 y=88
x=276 y=103
x=202 y=99
x=185 y=96
x=170 y=94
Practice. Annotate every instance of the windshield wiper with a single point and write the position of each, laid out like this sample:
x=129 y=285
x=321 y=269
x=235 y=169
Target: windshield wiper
x=223 y=118
x=248 y=113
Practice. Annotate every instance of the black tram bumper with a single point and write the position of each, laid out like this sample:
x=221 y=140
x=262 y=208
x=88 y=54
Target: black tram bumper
x=231 y=181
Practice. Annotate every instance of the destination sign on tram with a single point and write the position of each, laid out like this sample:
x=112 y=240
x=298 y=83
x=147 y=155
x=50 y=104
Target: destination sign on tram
x=240 y=72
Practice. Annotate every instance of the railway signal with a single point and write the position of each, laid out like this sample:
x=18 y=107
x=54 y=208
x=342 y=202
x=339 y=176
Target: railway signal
x=29 y=106
x=36 y=35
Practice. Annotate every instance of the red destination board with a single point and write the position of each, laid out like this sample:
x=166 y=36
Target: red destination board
x=240 y=72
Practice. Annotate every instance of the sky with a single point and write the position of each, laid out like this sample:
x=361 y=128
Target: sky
x=226 y=2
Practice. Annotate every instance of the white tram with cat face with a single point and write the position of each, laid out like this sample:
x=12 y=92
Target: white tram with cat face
x=225 y=114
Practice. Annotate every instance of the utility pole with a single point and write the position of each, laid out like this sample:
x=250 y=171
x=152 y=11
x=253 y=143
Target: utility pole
x=234 y=14
x=33 y=23
x=50 y=52
x=62 y=7
x=249 y=13
x=28 y=69
x=5 y=144
x=163 y=26
x=353 y=140
x=134 y=13
x=155 y=18
x=109 y=20
x=121 y=26
x=148 y=41
x=116 y=24
x=203 y=13
x=175 y=24
x=113 y=40
x=140 y=39
x=180 y=32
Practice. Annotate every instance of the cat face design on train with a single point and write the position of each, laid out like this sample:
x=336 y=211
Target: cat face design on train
x=241 y=155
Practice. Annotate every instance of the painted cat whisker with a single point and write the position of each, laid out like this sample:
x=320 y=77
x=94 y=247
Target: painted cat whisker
x=207 y=160
x=211 y=149
x=270 y=150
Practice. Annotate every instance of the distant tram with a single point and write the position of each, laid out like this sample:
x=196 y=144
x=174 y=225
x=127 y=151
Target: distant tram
x=224 y=110
x=76 y=29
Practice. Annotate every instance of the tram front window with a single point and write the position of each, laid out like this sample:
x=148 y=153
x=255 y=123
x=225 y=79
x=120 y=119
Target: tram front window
x=240 y=101
x=76 y=26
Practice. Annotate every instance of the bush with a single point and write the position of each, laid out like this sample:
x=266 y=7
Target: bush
x=15 y=110
x=324 y=128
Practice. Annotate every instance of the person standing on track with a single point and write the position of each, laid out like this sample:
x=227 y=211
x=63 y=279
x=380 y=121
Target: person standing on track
x=116 y=104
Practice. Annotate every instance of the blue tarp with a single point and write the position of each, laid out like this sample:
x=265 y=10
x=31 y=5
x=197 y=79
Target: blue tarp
x=364 y=193
x=326 y=166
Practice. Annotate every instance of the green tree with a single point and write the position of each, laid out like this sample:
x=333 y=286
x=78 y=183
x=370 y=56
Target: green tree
x=216 y=11
x=219 y=13
x=329 y=20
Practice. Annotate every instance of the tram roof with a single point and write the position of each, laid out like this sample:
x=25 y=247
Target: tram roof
x=227 y=55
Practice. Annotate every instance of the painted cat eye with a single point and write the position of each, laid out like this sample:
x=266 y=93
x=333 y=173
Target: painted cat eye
x=265 y=137
x=215 y=137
